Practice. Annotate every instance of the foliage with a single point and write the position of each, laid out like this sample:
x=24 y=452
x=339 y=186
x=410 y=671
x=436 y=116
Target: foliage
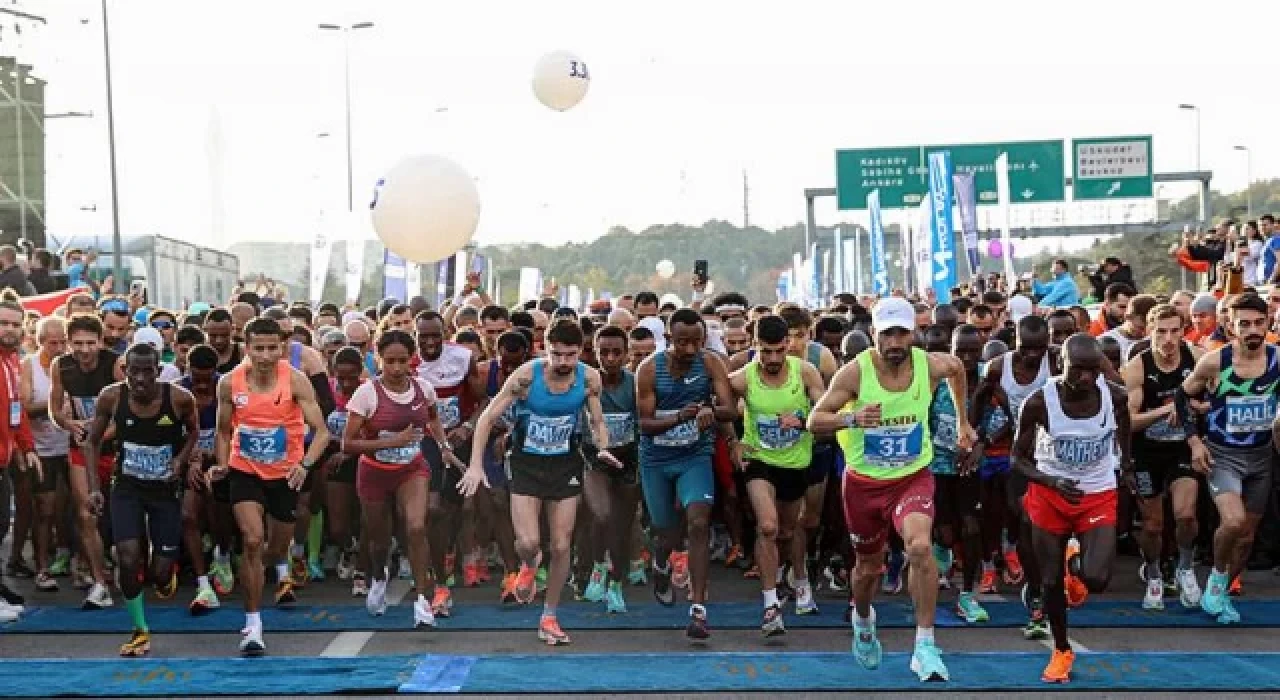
x=1265 y=194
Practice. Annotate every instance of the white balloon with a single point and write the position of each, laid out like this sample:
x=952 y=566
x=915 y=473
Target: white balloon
x=560 y=80
x=426 y=208
x=666 y=269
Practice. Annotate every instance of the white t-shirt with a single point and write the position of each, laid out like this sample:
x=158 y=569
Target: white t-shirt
x=365 y=399
x=169 y=372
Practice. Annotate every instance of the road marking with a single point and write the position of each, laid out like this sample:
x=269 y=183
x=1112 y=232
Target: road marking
x=348 y=644
x=1077 y=647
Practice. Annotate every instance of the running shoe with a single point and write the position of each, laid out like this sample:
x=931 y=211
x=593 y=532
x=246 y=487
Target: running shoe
x=315 y=571
x=284 y=592
x=805 y=604
x=1059 y=668
x=697 y=630
x=786 y=592
x=680 y=569
x=866 y=646
x=471 y=573
x=944 y=558
x=206 y=601
x=1153 y=598
x=222 y=578
x=836 y=579
x=1214 y=598
x=508 y=595
x=1013 y=573
x=18 y=568
x=298 y=571
x=450 y=567
x=422 y=613
x=752 y=572
x=733 y=557
x=405 y=571
x=1037 y=626
x=10 y=596
x=926 y=662
x=346 y=565
x=359 y=584
x=1188 y=588
x=442 y=602
x=1228 y=616
x=638 y=576
x=526 y=585
x=46 y=582
x=7 y=614
x=988 y=584
x=969 y=609
x=376 y=600
x=771 y=623
x=251 y=643
x=662 y=590
x=61 y=565
x=539 y=578
x=98 y=599
x=595 y=588
x=1077 y=592
x=139 y=644
x=549 y=631
x=720 y=548
x=614 y=604
x=166 y=591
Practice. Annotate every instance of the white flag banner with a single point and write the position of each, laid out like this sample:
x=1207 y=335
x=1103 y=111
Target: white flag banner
x=1006 y=236
x=412 y=280
x=530 y=283
x=575 y=297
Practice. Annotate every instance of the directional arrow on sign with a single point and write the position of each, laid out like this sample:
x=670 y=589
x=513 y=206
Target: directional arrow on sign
x=1033 y=166
x=1115 y=187
x=1028 y=193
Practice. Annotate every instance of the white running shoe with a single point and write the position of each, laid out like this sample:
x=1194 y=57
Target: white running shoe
x=376 y=601
x=251 y=643
x=1188 y=588
x=1153 y=598
x=422 y=615
x=99 y=598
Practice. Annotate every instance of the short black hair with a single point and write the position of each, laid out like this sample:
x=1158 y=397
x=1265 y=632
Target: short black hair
x=263 y=326
x=646 y=298
x=189 y=335
x=84 y=323
x=493 y=312
x=612 y=332
x=1249 y=302
x=641 y=333
x=771 y=329
x=1116 y=290
x=686 y=316
x=301 y=313
x=218 y=315
x=548 y=305
x=830 y=324
x=522 y=319
x=202 y=357
x=348 y=355
x=513 y=341
x=565 y=332
x=395 y=336
x=142 y=351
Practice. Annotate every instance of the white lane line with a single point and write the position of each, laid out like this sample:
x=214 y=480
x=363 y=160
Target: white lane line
x=348 y=644
x=1075 y=646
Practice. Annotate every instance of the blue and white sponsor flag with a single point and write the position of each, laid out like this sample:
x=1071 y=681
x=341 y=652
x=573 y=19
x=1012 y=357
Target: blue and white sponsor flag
x=943 y=240
x=879 y=271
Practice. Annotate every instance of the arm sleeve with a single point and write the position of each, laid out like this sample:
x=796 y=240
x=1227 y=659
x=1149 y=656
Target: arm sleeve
x=324 y=393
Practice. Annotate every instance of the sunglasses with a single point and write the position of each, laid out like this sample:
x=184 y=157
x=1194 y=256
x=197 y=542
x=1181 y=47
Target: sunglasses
x=162 y=325
x=116 y=306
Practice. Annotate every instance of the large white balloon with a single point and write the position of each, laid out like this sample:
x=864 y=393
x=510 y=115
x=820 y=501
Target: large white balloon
x=666 y=269
x=560 y=80
x=426 y=208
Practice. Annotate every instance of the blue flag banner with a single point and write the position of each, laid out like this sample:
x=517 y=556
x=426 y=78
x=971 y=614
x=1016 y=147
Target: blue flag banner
x=784 y=286
x=879 y=272
x=444 y=273
x=967 y=202
x=394 y=282
x=944 y=237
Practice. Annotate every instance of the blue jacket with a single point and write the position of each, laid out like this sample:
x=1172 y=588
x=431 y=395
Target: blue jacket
x=1060 y=291
x=1269 y=254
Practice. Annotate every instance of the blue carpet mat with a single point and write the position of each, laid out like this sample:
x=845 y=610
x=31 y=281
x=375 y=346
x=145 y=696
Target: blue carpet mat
x=651 y=616
x=622 y=673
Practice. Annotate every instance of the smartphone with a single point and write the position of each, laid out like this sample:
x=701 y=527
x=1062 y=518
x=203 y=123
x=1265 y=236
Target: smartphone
x=700 y=271
x=479 y=263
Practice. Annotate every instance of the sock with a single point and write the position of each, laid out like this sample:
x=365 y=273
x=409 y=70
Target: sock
x=548 y=610
x=315 y=537
x=253 y=620
x=202 y=582
x=1186 y=557
x=282 y=571
x=134 y=606
x=220 y=556
x=924 y=634
x=1153 y=571
x=770 y=597
x=862 y=623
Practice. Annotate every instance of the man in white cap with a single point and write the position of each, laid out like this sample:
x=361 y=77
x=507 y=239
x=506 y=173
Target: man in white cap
x=1019 y=308
x=152 y=337
x=879 y=404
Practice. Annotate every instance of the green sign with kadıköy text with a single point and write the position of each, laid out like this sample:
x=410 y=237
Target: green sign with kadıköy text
x=1111 y=168
x=1036 y=172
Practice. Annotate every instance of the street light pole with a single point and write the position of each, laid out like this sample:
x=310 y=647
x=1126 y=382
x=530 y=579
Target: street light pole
x=1248 y=187
x=117 y=272
x=1201 y=199
x=346 y=76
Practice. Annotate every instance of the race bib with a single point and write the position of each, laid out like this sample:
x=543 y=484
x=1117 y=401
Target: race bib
x=147 y=462
x=994 y=420
x=679 y=435
x=397 y=455
x=775 y=437
x=548 y=435
x=262 y=445
x=1163 y=430
x=205 y=442
x=1079 y=453
x=890 y=446
x=450 y=412
x=1250 y=414
x=84 y=406
x=945 y=435
x=622 y=428
x=337 y=422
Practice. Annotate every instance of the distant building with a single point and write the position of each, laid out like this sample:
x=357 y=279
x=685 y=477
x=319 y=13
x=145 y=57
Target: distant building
x=22 y=153
x=290 y=264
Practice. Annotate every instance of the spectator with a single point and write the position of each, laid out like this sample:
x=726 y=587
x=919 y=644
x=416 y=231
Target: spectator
x=1115 y=307
x=78 y=266
x=1111 y=271
x=1270 y=246
x=1060 y=291
x=38 y=270
x=11 y=275
x=1212 y=250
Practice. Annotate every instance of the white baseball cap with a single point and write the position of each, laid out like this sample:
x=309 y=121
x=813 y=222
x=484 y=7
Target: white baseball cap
x=1019 y=307
x=659 y=330
x=893 y=312
x=150 y=336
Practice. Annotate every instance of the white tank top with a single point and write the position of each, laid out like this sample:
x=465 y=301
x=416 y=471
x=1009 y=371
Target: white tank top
x=1083 y=449
x=1018 y=393
x=448 y=370
x=51 y=441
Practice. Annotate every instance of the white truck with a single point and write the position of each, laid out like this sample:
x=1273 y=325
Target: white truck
x=174 y=273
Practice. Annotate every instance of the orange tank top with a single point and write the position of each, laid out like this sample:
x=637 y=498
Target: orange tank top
x=267 y=429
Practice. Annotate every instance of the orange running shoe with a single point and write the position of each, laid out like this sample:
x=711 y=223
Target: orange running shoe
x=733 y=556
x=1077 y=592
x=526 y=586
x=680 y=569
x=508 y=589
x=988 y=583
x=471 y=574
x=549 y=631
x=1013 y=574
x=1059 y=668
x=441 y=602
x=1237 y=589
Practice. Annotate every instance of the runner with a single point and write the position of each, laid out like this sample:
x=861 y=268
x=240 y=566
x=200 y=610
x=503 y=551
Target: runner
x=1161 y=456
x=1235 y=451
x=1070 y=434
x=157 y=429
x=264 y=409
x=79 y=377
x=206 y=505
x=493 y=503
x=612 y=494
x=341 y=504
x=386 y=418
x=544 y=466
x=218 y=328
x=778 y=392
x=51 y=443
x=883 y=399
x=674 y=391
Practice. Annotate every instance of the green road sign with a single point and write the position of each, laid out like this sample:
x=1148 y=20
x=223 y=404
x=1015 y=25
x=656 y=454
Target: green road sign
x=1111 y=168
x=1036 y=172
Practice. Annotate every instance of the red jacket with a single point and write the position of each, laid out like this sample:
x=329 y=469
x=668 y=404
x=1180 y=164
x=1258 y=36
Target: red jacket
x=9 y=436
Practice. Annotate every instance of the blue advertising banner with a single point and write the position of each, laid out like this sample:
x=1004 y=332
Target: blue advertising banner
x=879 y=271
x=944 y=237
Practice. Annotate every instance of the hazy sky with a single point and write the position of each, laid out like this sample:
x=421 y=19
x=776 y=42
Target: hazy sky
x=684 y=97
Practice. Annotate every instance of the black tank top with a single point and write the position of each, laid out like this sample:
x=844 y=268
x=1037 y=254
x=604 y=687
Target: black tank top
x=1158 y=388
x=148 y=443
x=226 y=367
x=83 y=387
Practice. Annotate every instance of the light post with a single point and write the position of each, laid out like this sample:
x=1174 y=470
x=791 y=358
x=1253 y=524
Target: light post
x=1248 y=187
x=1201 y=199
x=117 y=271
x=346 y=30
